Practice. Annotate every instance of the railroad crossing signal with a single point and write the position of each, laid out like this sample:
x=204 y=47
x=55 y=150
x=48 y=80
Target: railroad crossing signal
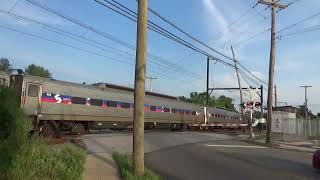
x=250 y=105
x=254 y=94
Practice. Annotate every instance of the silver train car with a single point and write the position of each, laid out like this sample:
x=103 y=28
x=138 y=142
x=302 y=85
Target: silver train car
x=58 y=105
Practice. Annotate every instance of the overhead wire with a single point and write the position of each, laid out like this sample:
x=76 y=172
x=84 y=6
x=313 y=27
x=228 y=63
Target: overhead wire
x=252 y=37
x=90 y=28
x=125 y=44
x=80 y=38
x=177 y=39
x=182 y=31
x=312 y=28
x=108 y=58
x=299 y=22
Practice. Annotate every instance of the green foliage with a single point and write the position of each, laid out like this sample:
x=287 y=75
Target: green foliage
x=200 y=99
x=318 y=115
x=124 y=163
x=36 y=70
x=13 y=128
x=5 y=65
x=28 y=158
x=301 y=113
x=48 y=163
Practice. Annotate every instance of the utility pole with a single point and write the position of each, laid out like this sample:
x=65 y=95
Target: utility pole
x=261 y=98
x=274 y=4
x=208 y=71
x=306 y=99
x=207 y=94
x=240 y=88
x=275 y=96
x=150 y=81
x=139 y=89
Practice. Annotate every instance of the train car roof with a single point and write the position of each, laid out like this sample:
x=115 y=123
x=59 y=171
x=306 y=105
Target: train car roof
x=124 y=88
x=101 y=85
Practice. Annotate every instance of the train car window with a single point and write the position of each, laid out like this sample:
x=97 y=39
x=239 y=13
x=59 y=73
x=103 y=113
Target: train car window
x=146 y=107
x=124 y=105
x=33 y=90
x=153 y=108
x=194 y=112
x=173 y=110
x=78 y=100
x=165 y=109
x=111 y=103
x=96 y=102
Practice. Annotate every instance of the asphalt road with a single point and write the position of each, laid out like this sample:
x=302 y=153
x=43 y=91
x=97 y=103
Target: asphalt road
x=198 y=155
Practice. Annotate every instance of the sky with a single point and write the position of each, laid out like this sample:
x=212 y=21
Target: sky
x=179 y=70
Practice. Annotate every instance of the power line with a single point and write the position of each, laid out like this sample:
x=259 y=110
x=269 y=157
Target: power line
x=187 y=34
x=175 y=38
x=312 y=28
x=90 y=28
x=158 y=29
x=299 y=22
x=179 y=29
x=72 y=36
x=85 y=50
x=155 y=28
x=65 y=44
x=252 y=37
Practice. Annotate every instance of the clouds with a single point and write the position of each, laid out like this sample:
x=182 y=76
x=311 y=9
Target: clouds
x=213 y=13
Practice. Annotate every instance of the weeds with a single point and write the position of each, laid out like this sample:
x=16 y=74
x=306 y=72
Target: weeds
x=124 y=163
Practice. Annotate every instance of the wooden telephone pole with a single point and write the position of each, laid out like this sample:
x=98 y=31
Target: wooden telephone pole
x=274 y=4
x=139 y=89
x=240 y=88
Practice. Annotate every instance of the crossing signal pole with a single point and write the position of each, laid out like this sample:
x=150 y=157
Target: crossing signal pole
x=139 y=89
x=275 y=5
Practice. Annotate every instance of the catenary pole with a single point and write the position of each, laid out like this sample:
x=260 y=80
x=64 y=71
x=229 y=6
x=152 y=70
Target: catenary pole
x=240 y=88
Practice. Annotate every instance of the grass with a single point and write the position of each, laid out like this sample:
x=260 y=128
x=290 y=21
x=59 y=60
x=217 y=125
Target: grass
x=45 y=162
x=124 y=162
x=30 y=158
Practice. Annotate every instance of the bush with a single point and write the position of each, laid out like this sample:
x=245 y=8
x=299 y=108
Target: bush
x=23 y=157
x=13 y=128
x=124 y=163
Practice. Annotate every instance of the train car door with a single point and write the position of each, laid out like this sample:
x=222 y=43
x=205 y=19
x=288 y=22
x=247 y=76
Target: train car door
x=32 y=99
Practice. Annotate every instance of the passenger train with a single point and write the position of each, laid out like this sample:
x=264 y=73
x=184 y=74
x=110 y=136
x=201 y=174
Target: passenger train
x=59 y=105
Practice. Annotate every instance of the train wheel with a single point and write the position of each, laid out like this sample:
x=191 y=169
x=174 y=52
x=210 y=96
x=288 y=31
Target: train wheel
x=47 y=130
x=78 y=128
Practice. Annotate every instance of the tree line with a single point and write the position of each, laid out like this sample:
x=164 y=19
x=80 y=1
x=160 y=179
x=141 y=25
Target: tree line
x=200 y=99
x=32 y=69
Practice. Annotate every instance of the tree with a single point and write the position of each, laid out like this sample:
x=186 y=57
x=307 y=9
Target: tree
x=301 y=113
x=318 y=114
x=36 y=70
x=5 y=65
x=200 y=99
